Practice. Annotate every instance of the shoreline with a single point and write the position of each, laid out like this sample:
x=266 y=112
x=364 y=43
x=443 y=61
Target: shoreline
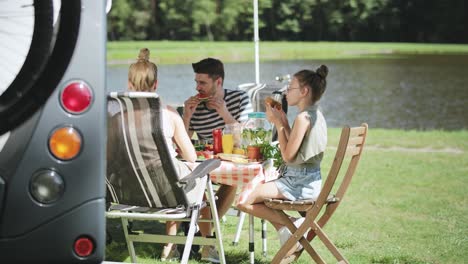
x=182 y=52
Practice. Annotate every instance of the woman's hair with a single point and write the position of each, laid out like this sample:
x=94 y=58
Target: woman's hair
x=143 y=73
x=315 y=80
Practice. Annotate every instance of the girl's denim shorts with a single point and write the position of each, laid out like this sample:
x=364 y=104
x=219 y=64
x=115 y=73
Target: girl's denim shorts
x=300 y=183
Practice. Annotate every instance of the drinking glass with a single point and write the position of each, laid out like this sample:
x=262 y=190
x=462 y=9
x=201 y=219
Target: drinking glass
x=228 y=139
x=228 y=143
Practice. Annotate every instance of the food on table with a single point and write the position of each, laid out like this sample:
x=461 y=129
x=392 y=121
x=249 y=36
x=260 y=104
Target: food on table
x=238 y=151
x=272 y=103
x=199 y=147
x=205 y=154
x=209 y=147
x=236 y=158
x=239 y=160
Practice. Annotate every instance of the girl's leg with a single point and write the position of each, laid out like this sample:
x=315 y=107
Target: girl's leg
x=254 y=205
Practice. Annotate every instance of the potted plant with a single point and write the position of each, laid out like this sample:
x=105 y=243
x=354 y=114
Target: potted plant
x=272 y=151
x=254 y=139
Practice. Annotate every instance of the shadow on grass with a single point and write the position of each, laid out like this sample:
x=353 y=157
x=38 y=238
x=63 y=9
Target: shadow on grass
x=116 y=249
x=242 y=257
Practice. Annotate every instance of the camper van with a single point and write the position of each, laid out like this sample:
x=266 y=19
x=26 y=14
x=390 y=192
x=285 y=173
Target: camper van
x=52 y=131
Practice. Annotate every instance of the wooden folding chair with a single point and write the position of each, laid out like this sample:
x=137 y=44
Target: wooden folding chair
x=142 y=181
x=351 y=145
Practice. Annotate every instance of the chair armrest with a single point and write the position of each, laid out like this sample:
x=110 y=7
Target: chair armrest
x=202 y=169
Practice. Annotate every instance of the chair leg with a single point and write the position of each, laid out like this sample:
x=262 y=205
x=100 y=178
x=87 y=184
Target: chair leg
x=305 y=242
x=328 y=243
x=264 y=240
x=315 y=256
x=239 y=229
x=190 y=235
x=298 y=233
x=251 y=239
x=217 y=226
x=130 y=247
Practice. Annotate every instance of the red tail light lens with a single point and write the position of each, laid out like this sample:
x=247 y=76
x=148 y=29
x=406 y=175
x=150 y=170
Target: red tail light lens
x=83 y=247
x=76 y=97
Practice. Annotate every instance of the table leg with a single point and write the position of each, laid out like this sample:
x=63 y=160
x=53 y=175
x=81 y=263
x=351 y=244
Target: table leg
x=264 y=241
x=239 y=228
x=251 y=239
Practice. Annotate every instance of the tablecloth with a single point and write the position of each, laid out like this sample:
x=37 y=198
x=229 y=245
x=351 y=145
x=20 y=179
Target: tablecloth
x=246 y=176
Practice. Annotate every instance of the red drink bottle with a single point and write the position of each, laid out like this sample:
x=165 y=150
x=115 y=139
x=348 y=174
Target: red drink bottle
x=217 y=140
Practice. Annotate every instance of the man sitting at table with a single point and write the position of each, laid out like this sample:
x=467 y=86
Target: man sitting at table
x=214 y=107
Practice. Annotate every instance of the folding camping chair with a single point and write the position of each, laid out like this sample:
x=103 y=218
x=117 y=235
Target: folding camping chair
x=142 y=180
x=351 y=144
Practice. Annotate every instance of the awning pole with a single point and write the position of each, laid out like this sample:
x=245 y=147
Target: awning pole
x=256 y=41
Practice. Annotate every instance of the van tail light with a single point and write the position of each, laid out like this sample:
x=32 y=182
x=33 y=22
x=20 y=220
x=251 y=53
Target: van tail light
x=46 y=186
x=83 y=246
x=76 y=97
x=65 y=143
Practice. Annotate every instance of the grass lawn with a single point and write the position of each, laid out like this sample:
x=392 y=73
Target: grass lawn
x=408 y=203
x=182 y=52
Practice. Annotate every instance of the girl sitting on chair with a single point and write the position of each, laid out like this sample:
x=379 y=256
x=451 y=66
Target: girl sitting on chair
x=302 y=148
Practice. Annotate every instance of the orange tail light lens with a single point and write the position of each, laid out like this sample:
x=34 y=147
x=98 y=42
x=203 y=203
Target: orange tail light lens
x=65 y=143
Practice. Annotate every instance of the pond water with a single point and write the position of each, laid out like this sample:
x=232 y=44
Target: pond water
x=411 y=92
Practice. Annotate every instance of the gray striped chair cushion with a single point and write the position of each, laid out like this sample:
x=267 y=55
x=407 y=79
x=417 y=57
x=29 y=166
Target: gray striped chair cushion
x=140 y=171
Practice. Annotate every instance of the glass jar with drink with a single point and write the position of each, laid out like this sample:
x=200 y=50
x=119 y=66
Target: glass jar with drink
x=256 y=132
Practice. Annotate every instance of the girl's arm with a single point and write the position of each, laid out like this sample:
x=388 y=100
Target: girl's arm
x=290 y=140
x=283 y=125
x=181 y=138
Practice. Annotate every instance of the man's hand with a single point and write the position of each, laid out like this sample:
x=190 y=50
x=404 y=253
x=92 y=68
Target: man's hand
x=219 y=105
x=189 y=107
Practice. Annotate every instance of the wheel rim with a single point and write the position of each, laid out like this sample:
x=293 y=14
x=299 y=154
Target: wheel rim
x=40 y=74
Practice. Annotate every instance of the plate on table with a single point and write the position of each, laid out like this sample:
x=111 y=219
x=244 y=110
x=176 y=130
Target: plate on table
x=236 y=158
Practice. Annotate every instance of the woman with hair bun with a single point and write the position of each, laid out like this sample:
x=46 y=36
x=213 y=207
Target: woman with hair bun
x=143 y=77
x=302 y=147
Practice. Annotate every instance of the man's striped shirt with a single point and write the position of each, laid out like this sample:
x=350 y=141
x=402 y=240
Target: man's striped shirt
x=204 y=120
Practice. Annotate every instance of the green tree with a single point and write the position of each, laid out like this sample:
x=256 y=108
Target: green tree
x=203 y=16
x=174 y=21
x=302 y=20
x=129 y=20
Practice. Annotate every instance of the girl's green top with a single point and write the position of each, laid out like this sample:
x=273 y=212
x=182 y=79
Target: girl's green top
x=313 y=145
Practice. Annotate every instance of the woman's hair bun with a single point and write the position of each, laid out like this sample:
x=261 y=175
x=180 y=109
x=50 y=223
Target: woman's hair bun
x=144 y=54
x=322 y=71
